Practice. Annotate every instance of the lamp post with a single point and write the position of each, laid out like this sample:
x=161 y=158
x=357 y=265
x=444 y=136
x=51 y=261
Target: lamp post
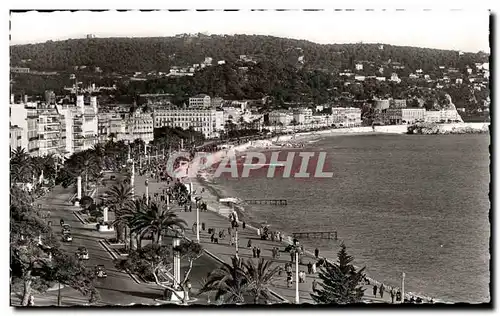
x=403 y=288
x=197 y=221
x=147 y=191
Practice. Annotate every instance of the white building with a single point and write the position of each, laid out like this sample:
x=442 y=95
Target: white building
x=359 y=66
x=395 y=78
x=15 y=134
x=242 y=105
x=280 y=117
x=302 y=115
x=204 y=120
x=200 y=100
x=82 y=129
x=346 y=117
x=443 y=116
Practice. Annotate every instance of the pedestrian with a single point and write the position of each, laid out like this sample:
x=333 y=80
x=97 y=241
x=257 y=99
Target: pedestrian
x=280 y=270
x=382 y=288
x=249 y=244
x=292 y=255
x=309 y=267
x=229 y=230
x=272 y=236
x=212 y=237
x=258 y=252
x=243 y=225
x=288 y=281
x=281 y=237
x=254 y=252
x=316 y=253
x=398 y=296
x=258 y=231
x=203 y=226
x=375 y=290
x=392 y=295
x=314 y=284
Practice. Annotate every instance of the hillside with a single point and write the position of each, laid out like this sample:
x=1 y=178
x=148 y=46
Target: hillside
x=159 y=54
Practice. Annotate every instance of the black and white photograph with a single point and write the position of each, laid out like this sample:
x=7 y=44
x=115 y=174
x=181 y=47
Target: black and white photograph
x=204 y=158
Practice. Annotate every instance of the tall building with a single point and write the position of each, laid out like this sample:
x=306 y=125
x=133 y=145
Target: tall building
x=51 y=131
x=200 y=100
x=15 y=134
x=25 y=116
x=204 y=120
x=81 y=124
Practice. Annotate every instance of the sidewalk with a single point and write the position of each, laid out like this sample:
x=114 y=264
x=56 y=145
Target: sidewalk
x=224 y=251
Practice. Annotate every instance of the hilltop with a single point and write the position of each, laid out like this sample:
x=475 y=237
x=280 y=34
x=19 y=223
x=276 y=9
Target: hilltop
x=162 y=53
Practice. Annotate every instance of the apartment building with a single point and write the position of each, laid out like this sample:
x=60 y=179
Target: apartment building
x=81 y=122
x=280 y=117
x=200 y=100
x=51 y=129
x=403 y=116
x=204 y=120
x=302 y=116
x=346 y=117
x=15 y=135
x=25 y=116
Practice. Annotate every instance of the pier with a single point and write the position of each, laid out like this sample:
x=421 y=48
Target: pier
x=317 y=235
x=268 y=201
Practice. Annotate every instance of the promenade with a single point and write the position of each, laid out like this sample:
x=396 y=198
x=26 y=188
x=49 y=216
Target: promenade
x=224 y=251
x=118 y=288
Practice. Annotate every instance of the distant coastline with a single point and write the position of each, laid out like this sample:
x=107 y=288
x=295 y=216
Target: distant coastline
x=444 y=129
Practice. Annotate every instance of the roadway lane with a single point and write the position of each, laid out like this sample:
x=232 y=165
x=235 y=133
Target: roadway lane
x=118 y=287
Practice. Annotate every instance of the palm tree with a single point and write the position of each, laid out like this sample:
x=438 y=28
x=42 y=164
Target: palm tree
x=21 y=166
x=119 y=198
x=229 y=282
x=154 y=218
x=260 y=277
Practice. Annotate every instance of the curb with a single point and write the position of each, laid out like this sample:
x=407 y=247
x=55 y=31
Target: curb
x=80 y=218
x=114 y=256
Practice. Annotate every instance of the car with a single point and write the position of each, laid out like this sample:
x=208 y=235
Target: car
x=100 y=271
x=67 y=237
x=82 y=253
x=66 y=228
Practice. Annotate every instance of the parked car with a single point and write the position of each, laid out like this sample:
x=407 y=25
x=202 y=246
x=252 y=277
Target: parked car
x=82 y=253
x=66 y=228
x=100 y=271
x=67 y=237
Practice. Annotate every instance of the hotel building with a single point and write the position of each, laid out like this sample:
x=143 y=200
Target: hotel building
x=204 y=120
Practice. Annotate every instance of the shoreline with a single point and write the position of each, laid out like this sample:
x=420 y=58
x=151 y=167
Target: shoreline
x=213 y=194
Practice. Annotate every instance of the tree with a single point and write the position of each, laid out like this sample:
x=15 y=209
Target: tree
x=260 y=277
x=67 y=270
x=229 y=282
x=152 y=259
x=119 y=198
x=154 y=218
x=340 y=282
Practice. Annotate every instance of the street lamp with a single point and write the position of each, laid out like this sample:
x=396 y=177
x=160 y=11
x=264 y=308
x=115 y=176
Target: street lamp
x=177 y=234
x=147 y=191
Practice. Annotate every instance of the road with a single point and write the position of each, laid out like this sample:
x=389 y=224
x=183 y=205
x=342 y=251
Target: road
x=118 y=287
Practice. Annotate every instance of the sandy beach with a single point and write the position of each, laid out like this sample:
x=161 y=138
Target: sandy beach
x=211 y=195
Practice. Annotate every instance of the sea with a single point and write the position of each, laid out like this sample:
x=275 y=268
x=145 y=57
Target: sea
x=417 y=204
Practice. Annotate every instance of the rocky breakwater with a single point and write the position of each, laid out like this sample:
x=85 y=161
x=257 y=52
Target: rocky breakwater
x=440 y=129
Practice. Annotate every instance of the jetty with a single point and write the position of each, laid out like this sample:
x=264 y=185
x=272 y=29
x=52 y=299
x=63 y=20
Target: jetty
x=316 y=235
x=268 y=201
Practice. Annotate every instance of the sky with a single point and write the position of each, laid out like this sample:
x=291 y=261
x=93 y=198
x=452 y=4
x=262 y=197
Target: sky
x=466 y=30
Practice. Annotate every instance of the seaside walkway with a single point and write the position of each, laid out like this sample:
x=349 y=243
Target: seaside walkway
x=224 y=251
